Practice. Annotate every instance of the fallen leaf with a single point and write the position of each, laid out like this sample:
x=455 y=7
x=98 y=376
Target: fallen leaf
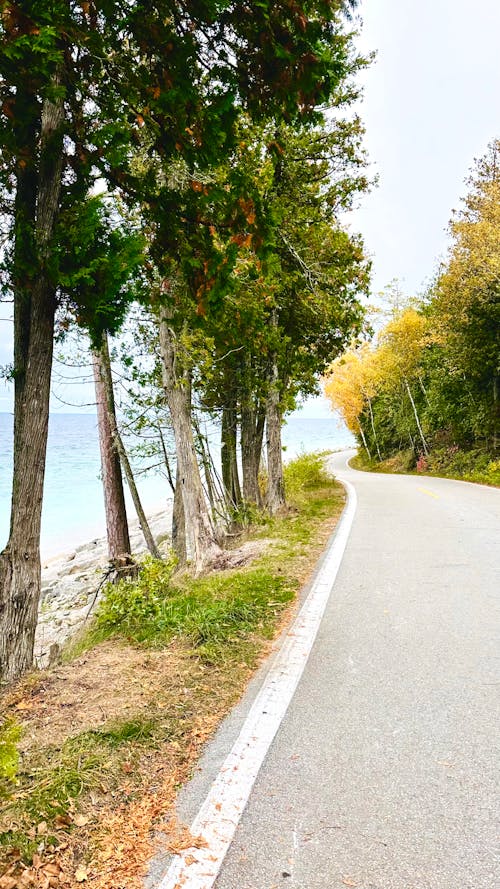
x=53 y=870
x=81 y=875
x=81 y=820
x=25 y=705
x=348 y=881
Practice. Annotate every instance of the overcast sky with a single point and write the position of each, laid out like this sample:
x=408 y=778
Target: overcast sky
x=431 y=105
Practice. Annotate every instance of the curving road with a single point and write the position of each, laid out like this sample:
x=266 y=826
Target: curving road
x=384 y=772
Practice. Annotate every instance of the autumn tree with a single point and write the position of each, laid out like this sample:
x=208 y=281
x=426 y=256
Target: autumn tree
x=464 y=308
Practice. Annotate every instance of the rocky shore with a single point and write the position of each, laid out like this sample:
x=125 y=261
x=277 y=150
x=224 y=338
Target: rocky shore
x=72 y=585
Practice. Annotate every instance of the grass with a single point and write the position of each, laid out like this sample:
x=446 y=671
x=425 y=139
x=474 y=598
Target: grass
x=214 y=629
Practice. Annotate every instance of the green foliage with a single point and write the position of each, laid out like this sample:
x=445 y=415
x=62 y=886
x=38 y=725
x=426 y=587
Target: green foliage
x=97 y=266
x=305 y=474
x=475 y=465
x=10 y=733
x=431 y=382
x=213 y=610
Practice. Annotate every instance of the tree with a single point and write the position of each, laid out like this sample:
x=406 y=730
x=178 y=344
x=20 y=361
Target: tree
x=465 y=308
x=78 y=85
x=346 y=384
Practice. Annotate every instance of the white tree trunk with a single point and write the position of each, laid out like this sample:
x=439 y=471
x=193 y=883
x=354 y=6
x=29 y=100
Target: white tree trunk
x=420 y=432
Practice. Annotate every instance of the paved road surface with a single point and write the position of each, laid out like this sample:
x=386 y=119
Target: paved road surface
x=383 y=774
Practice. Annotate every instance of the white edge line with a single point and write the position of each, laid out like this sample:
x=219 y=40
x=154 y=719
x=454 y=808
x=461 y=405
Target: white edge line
x=218 y=817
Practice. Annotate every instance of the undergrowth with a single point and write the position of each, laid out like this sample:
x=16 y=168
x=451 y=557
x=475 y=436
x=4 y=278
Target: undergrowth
x=474 y=465
x=220 y=621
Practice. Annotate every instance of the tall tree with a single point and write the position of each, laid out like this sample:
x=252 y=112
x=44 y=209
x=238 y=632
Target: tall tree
x=79 y=84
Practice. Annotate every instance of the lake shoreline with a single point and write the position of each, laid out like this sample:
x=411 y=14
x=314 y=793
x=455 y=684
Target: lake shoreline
x=72 y=583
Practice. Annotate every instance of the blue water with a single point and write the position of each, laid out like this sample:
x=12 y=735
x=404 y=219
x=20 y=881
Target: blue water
x=73 y=510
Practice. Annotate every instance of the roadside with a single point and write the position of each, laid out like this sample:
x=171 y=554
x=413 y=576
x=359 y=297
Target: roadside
x=105 y=739
x=384 y=771
x=469 y=466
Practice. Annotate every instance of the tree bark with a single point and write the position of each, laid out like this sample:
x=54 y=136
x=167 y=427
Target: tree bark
x=117 y=442
x=417 y=420
x=36 y=211
x=363 y=439
x=373 y=429
x=229 y=460
x=275 y=483
x=201 y=545
x=179 y=525
x=112 y=481
x=252 y=433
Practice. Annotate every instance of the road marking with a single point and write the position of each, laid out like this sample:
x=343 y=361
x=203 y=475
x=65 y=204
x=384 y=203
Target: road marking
x=216 y=822
x=429 y=493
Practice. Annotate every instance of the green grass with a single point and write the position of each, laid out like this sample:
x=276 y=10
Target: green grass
x=224 y=607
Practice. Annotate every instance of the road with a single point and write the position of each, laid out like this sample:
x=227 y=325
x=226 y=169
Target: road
x=383 y=774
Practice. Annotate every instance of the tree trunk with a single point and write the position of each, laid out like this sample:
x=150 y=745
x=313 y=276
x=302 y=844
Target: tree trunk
x=36 y=211
x=107 y=379
x=179 y=525
x=363 y=439
x=496 y=411
x=201 y=545
x=252 y=433
x=230 y=474
x=373 y=429
x=420 y=432
x=112 y=482
x=275 y=483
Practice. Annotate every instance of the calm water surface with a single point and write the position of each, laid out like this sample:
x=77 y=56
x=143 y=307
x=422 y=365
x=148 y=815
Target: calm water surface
x=73 y=511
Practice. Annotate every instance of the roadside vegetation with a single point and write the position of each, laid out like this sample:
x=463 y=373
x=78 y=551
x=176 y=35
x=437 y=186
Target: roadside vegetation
x=424 y=396
x=471 y=466
x=92 y=751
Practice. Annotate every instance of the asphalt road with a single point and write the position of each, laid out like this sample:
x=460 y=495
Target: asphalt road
x=383 y=774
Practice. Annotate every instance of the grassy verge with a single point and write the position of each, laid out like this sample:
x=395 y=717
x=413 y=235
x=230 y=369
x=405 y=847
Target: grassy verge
x=92 y=752
x=472 y=466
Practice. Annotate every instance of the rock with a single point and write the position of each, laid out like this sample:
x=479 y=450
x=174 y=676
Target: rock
x=71 y=581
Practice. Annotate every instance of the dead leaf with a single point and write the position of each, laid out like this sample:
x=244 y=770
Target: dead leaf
x=348 y=881
x=81 y=875
x=81 y=820
x=42 y=828
x=25 y=705
x=53 y=870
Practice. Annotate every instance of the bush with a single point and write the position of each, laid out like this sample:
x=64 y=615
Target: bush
x=306 y=473
x=214 y=609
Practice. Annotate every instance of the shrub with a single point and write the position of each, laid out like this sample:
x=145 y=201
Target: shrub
x=306 y=473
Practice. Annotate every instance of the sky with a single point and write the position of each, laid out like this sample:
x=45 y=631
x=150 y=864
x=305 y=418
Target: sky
x=431 y=105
